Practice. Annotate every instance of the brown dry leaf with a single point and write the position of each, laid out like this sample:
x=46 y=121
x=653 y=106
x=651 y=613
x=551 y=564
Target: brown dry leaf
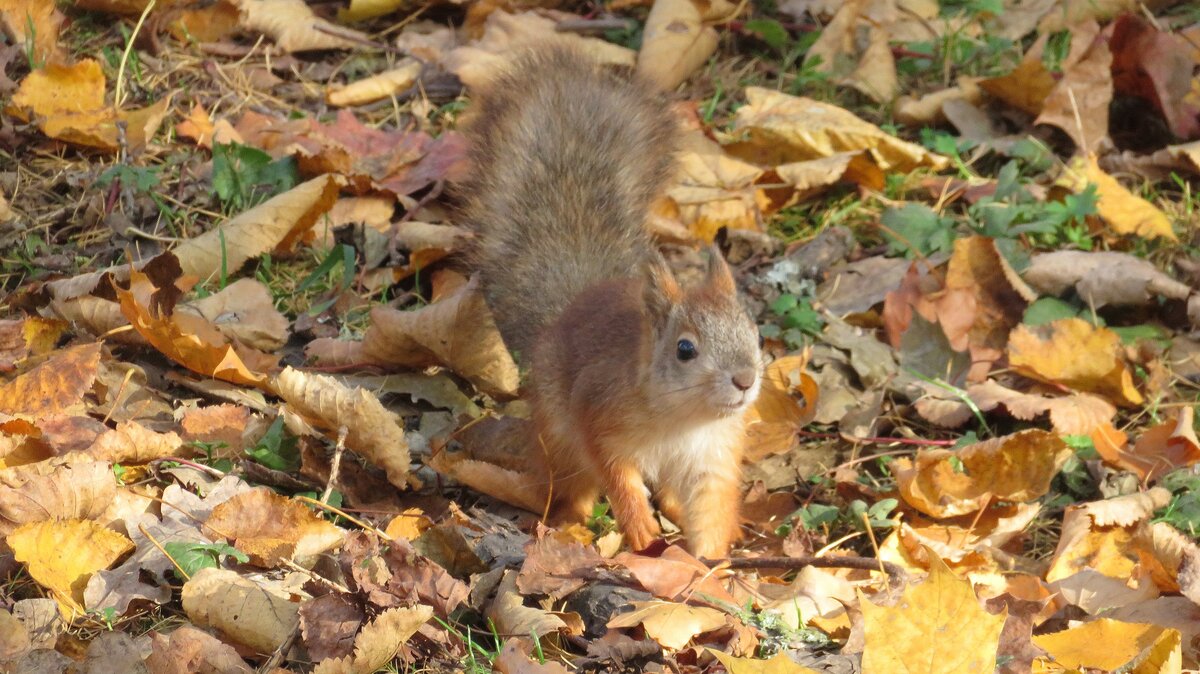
x=217 y=424
x=29 y=336
x=379 y=641
x=1074 y=414
x=243 y=311
x=1160 y=449
x=187 y=650
x=197 y=126
x=456 y=331
x=132 y=443
x=376 y=87
x=977 y=267
x=247 y=612
x=971 y=542
x=714 y=190
x=1015 y=468
x=854 y=49
x=294 y=27
x=373 y=432
x=504 y=34
x=1110 y=645
x=787 y=401
x=61 y=555
x=56 y=386
x=1076 y=354
x=939 y=626
x=521 y=489
x=426 y=244
x=64 y=488
x=67 y=102
x=511 y=616
x=210 y=23
x=514 y=658
x=1069 y=14
x=675 y=42
x=1125 y=212
x=1079 y=102
x=1151 y=64
x=780 y=664
x=929 y=109
x=780 y=128
x=670 y=624
x=24 y=19
x=187 y=338
x=674 y=575
x=272 y=529
x=274 y=225
x=1102 y=278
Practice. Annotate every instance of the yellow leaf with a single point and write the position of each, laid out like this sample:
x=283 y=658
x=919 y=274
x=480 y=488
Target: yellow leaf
x=379 y=641
x=67 y=102
x=1124 y=211
x=780 y=664
x=17 y=17
x=782 y=128
x=360 y=10
x=294 y=26
x=408 y=524
x=1015 y=468
x=1074 y=353
x=675 y=42
x=786 y=402
x=938 y=628
x=252 y=614
x=276 y=224
x=670 y=624
x=376 y=87
x=1149 y=649
x=62 y=555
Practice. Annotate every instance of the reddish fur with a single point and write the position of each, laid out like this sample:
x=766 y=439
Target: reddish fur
x=569 y=158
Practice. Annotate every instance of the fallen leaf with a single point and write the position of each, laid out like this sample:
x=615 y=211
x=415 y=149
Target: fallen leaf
x=1125 y=212
x=243 y=311
x=938 y=626
x=62 y=554
x=1079 y=102
x=1102 y=278
x=675 y=42
x=1074 y=353
x=670 y=624
x=56 y=386
x=456 y=331
x=1150 y=64
x=188 y=649
x=514 y=659
x=1140 y=649
x=780 y=128
x=372 y=431
x=272 y=529
x=56 y=489
x=131 y=443
x=511 y=616
x=379 y=641
x=391 y=574
x=715 y=191
x=25 y=20
x=376 y=87
x=294 y=27
x=787 y=401
x=977 y=267
x=67 y=103
x=274 y=225
x=779 y=664
x=1015 y=468
x=186 y=338
x=1159 y=450
x=249 y=613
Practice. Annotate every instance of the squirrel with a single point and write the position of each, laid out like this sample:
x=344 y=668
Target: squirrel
x=633 y=379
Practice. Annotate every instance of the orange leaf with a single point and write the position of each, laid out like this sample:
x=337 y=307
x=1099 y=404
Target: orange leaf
x=54 y=386
x=1159 y=450
x=1073 y=353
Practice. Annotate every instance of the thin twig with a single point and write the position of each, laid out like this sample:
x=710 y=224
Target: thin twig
x=335 y=466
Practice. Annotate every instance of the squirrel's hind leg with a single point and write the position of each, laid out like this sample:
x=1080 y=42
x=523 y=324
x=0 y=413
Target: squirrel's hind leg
x=573 y=500
x=712 y=521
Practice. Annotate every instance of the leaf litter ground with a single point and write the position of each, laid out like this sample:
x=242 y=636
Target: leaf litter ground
x=254 y=414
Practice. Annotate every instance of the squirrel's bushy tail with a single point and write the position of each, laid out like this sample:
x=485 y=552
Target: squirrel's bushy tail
x=567 y=159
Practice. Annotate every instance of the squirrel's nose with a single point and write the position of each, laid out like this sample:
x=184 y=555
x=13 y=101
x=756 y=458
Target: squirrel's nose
x=744 y=379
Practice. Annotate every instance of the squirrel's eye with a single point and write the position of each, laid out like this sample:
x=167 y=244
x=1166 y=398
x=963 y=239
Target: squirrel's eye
x=685 y=350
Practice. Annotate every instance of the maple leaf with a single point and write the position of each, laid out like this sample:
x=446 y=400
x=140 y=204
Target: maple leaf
x=938 y=628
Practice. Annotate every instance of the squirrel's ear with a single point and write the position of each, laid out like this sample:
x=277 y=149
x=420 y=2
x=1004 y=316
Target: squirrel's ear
x=661 y=291
x=719 y=277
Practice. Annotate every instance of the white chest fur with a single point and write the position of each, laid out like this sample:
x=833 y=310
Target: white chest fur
x=678 y=459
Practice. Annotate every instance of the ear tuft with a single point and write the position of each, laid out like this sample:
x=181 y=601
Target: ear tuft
x=719 y=277
x=661 y=291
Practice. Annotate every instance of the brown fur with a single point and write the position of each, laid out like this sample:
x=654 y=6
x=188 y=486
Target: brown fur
x=568 y=159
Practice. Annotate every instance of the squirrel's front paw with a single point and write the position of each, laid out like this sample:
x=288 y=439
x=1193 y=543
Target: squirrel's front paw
x=641 y=532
